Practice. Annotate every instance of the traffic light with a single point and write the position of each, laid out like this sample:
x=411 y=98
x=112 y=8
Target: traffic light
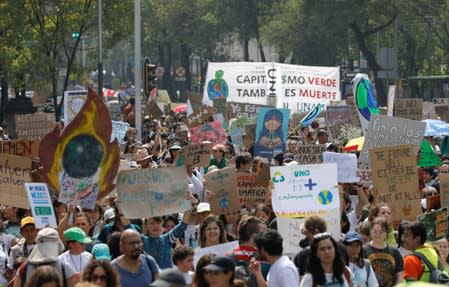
x=150 y=78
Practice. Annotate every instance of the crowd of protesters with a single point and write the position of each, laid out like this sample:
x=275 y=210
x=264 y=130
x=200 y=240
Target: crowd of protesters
x=101 y=247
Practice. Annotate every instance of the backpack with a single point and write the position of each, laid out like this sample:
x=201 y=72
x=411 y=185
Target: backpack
x=437 y=276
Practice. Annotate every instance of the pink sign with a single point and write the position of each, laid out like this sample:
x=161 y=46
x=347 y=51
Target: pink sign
x=211 y=131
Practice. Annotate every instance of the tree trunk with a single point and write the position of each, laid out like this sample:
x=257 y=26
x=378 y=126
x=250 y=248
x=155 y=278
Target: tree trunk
x=4 y=98
x=185 y=60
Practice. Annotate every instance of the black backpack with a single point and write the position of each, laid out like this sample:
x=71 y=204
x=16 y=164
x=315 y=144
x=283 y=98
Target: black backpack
x=437 y=276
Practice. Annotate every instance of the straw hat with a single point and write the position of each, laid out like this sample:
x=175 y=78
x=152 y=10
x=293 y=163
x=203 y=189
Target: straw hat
x=141 y=155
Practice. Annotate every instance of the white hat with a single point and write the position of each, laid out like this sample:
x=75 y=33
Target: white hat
x=203 y=207
x=109 y=214
x=48 y=247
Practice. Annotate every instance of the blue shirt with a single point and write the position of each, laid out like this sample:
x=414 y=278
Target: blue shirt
x=143 y=277
x=161 y=247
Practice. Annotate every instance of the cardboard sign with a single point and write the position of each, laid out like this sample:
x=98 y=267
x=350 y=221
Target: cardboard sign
x=41 y=205
x=154 y=110
x=195 y=155
x=387 y=131
x=34 y=126
x=223 y=249
x=271 y=132
x=427 y=156
x=433 y=202
x=408 y=108
x=336 y=117
x=73 y=102
x=211 y=131
x=195 y=100
x=119 y=131
x=435 y=223
x=263 y=177
x=355 y=121
x=300 y=190
x=222 y=193
x=395 y=177
x=14 y=172
x=237 y=110
x=443 y=112
x=199 y=116
x=428 y=111
x=444 y=188
x=250 y=192
x=25 y=148
x=153 y=192
x=310 y=153
x=346 y=164
x=290 y=229
x=237 y=128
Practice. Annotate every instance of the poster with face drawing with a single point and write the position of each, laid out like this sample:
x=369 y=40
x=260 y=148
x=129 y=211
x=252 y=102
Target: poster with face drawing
x=271 y=132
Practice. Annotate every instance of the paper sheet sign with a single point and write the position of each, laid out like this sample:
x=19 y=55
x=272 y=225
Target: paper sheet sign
x=41 y=205
x=346 y=164
x=223 y=249
x=304 y=189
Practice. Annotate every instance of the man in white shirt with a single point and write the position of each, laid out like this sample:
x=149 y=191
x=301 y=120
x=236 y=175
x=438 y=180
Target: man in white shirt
x=76 y=256
x=283 y=273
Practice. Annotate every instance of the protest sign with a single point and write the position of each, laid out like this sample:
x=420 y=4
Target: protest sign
x=211 y=131
x=237 y=110
x=195 y=155
x=298 y=88
x=427 y=156
x=114 y=110
x=435 y=223
x=271 y=132
x=310 y=153
x=14 y=172
x=395 y=177
x=387 y=131
x=223 y=249
x=153 y=192
x=410 y=108
x=355 y=121
x=119 y=131
x=34 y=126
x=222 y=195
x=41 y=205
x=304 y=189
x=365 y=100
x=433 y=202
x=346 y=164
x=443 y=112
x=199 y=116
x=428 y=111
x=25 y=148
x=237 y=128
x=290 y=229
x=73 y=102
x=336 y=117
x=250 y=192
x=251 y=133
x=441 y=101
x=195 y=100
x=444 y=188
x=153 y=109
x=263 y=177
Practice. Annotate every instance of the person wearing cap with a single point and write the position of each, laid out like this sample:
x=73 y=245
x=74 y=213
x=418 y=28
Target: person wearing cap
x=360 y=267
x=322 y=137
x=26 y=244
x=288 y=158
x=76 y=256
x=46 y=252
x=202 y=211
x=172 y=155
x=169 y=278
x=142 y=157
x=220 y=272
x=218 y=158
x=101 y=251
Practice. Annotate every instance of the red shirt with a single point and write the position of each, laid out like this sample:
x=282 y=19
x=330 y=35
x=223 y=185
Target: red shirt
x=244 y=253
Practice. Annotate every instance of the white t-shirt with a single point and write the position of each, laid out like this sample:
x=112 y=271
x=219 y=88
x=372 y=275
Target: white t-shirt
x=283 y=273
x=188 y=276
x=360 y=275
x=77 y=262
x=5 y=241
x=353 y=220
x=307 y=281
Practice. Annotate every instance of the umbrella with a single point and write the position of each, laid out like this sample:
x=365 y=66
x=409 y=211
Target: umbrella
x=436 y=128
x=355 y=144
x=180 y=108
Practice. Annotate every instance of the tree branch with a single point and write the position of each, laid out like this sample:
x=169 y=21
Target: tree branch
x=381 y=27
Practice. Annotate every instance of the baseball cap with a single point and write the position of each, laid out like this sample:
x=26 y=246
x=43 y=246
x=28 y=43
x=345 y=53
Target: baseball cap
x=221 y=263
x=288 y=157
x=27 y=220
x=203 y=207
x=175 y=146
x=352 y=236
x=76 y=234
x=48 y=247
x=101 y=252
x=109 y=214
x=169 y=278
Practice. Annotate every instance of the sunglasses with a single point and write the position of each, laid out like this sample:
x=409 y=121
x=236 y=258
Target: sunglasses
x=98 y=277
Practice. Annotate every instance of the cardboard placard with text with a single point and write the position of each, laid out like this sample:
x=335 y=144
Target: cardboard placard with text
x=34 y=126
x=25 y=148
x=310 y=153
x=410 y=108
x=154 y=110
x=336 y=117
x=250 y=192
x=14 y=172
x=195 y=100
x=199 y=116
x=236 y=110
x=428 y=111
x=435 y=223
x=395 y=176
x=195 y=155
x=222 y=194
x=444 y=188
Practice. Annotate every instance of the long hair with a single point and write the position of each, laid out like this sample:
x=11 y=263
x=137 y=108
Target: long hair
x=374 y=211
x=43 y=274
x=198 y=277
x=314 y=267
x=111 y=274
x=206 y=222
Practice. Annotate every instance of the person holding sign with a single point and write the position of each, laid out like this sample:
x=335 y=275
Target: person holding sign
x=212 y=232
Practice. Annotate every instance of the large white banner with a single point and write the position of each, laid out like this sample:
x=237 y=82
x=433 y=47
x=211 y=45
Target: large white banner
x=298 y=88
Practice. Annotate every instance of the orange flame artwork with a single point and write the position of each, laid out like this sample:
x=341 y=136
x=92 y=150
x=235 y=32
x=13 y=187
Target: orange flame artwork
x=80 y=161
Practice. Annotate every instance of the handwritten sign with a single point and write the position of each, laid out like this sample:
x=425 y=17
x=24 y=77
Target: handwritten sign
x=346 y=163
x=211 y=131
x=290 y=229
x=34 y=126
x=25 y=148
x=118 y=131
x=435 y=223
x=428 y=110
x=223 y=249
x=250 y=192
x=310 y=153
x=336 y=117
x=300 y=190
x=152 y=192
x=41 y=205
x=387 y=131
x=236 y=110
x=14 y=172
x=195 y=155
x=410 y=108
x=395 y=177
x=73 y=102
x=200 y=116
x=444 y=188
x=223 y=195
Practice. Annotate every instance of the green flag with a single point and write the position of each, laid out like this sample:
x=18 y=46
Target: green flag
x=428 y=156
